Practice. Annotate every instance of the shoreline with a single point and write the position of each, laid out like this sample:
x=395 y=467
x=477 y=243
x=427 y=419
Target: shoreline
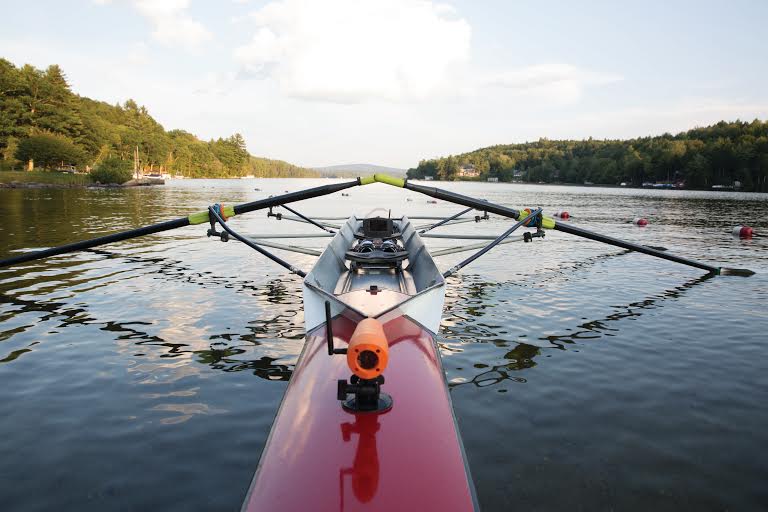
x=591 y=185
x=143 y=182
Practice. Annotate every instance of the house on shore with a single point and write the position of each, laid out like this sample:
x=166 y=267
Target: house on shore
x=468 y=171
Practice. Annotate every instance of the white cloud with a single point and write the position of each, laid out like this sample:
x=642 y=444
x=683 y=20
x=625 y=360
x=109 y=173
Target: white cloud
x=171 y=23
x=351 y=51
x=561 y=83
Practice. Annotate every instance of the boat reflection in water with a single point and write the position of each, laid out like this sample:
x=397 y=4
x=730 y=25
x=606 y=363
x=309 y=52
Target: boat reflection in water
x=364 y=472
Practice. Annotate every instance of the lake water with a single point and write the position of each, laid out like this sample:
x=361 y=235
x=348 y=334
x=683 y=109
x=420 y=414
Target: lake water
x=145 y=375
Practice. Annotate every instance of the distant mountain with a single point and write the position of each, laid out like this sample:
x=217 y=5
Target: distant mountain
x=350 y=170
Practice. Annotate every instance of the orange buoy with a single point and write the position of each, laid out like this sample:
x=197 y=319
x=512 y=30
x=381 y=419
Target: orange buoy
x=563 y=215
x=368 y=351
x=640 y=221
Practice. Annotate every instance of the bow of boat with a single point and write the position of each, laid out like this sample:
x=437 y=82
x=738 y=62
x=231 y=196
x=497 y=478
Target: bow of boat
x=322 y=456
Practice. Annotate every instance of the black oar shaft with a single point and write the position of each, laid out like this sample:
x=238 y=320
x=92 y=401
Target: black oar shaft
x=292 y=197
x=453 y=197
x=94 y=242
x=178 y=223
x=573 y=230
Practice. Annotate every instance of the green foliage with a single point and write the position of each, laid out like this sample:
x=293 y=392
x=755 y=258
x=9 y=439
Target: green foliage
x=230 y=151
x=49 y=151
x=267 y=168
x=9 y=162
x=702 y=157
x=34 y=101
x=112 y=170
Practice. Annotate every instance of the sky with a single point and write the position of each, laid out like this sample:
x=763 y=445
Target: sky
x=391 y=82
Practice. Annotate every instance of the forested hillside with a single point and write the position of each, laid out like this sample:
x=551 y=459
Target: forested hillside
x=43 y=120
x=699 y=158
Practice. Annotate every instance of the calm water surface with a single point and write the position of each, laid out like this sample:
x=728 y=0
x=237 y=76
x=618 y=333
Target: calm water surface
x=146 y=374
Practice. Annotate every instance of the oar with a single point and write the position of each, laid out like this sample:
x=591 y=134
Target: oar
x=195 y=218
x=550 y=223
x=573 y=230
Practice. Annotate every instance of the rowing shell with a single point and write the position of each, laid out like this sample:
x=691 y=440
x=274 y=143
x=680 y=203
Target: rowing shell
x=320 y=456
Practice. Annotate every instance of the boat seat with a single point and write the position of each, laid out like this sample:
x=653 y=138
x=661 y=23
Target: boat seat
x=376 y=256
x=360 y=235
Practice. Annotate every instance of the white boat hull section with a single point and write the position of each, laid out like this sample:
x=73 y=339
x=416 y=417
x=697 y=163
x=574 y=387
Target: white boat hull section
x=314 y=308
x=426 y=309
x=415 y=289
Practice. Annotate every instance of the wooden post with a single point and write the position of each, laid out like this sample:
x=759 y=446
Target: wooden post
x=136 y=163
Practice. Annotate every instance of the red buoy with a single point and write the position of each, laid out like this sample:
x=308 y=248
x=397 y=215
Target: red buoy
x=640 y=221
x=563 y=215
x=742 y=231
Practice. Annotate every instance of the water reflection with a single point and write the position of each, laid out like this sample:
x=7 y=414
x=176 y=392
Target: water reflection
x=15 y=354
x=522 y=356
x=598 y=328
x=226 y=360
x=468 y=296
x=184 y=412
x=225 y=349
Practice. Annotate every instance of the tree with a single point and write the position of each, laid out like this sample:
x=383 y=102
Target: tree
x=9 y=160
x=231 y=152
x=731 y=151
x=37 y=102
x=49 y=151
x=11 y=104
x=698 y=172
x=113 y=170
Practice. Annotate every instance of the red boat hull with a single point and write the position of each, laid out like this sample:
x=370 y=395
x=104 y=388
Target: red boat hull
x=320 y=457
